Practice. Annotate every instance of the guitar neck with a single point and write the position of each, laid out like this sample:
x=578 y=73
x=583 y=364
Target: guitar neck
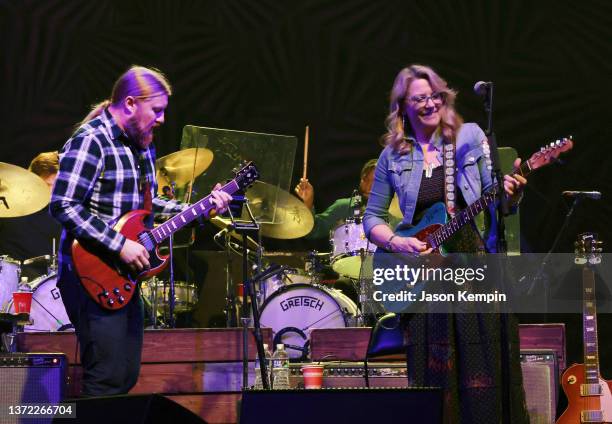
x=180 y=220
x=589 y=327
x=438 y=237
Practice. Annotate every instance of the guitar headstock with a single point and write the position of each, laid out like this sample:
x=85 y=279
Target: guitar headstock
x=587 y=249
x=246 y=175
x=550 y=153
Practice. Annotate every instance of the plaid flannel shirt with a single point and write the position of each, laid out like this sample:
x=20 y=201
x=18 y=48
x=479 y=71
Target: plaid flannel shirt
x=100 y=179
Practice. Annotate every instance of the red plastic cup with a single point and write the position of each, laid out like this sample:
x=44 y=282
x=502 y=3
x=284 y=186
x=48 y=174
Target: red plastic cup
x=22 y=302
x=313 y=376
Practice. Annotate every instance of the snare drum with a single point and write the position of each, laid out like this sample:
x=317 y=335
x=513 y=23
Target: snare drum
x=295 y=310
x=9 y=279
x=348 y=241
x=185 y=294
x=47 y=312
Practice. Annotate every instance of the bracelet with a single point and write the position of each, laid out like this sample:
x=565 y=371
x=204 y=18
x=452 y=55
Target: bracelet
x=388 y=244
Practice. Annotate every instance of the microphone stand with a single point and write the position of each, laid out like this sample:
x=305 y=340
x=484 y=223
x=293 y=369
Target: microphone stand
x=171 y=321
x=540 y=274
x=244 y=228
x=502 y=211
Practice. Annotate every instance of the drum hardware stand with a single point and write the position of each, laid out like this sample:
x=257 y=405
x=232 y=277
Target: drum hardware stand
x=231 y=319
x=171 y=322
x=244 y=228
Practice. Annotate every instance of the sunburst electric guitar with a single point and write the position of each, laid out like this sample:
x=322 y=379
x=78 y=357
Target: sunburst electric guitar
x=108 y=281
x=589 y=396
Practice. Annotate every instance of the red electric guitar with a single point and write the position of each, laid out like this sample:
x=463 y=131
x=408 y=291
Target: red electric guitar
x=108 y=281
x=589 y=396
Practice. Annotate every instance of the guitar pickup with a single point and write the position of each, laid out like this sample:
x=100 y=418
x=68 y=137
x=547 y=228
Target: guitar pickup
x=591 y=416
x=592 y=389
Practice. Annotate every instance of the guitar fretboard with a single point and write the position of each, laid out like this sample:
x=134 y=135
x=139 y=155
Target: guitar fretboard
x=185 y=217
x=438 y=237
x=589 y=327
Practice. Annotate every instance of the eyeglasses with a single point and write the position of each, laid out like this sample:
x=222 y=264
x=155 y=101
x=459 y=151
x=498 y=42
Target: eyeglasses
x=437 y=99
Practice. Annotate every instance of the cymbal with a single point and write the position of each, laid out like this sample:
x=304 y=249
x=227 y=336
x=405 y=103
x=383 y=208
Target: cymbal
x=223 y=223
x=21 y=192
x=178 y=167
x=292 y=219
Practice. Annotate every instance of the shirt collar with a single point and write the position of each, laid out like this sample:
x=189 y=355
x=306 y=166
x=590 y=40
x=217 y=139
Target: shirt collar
x=113 y=128
x=436 y=139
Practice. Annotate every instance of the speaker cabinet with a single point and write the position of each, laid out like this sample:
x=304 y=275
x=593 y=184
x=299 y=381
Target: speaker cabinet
x=342 y=406
x=540 y=381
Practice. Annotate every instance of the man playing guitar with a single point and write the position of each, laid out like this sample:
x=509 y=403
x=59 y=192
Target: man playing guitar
x=107 y=169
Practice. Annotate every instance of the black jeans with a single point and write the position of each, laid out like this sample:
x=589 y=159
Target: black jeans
x=110 y=341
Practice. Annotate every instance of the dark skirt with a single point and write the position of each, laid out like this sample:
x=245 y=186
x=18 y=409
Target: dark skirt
x=464 y=354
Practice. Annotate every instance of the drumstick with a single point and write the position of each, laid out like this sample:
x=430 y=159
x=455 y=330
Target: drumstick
x=305 y=153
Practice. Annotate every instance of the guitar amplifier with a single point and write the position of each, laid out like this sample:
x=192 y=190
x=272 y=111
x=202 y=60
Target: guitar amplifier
x=352 y=374
x=32 y=378
x=541 y=383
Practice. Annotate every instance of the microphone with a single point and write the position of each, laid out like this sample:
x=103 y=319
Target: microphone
x=595 y=195
x=481 y=87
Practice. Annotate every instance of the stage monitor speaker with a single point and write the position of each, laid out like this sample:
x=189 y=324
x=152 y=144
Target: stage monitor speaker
x=353 y=406
x=38 y=378
x=141 y=409
x=540 y=382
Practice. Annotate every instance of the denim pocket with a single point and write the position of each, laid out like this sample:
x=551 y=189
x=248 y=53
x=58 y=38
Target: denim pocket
x=399 y=172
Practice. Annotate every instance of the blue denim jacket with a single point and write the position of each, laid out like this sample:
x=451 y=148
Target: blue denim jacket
x=402 y=174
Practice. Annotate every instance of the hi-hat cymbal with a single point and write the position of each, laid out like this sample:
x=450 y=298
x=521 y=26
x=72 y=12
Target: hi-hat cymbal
x=223 y=223
x=21 y=191
x=179 y=168
x=292 y=219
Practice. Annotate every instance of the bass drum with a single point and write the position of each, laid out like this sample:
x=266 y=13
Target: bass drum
x=47 y=312
x=9 y=279
x=295 y=310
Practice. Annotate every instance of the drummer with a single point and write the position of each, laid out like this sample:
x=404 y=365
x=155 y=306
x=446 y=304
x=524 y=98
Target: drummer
x=32 y=235
x=341 y=209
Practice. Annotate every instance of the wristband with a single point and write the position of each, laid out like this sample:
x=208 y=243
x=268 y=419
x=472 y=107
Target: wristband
x=388 y=244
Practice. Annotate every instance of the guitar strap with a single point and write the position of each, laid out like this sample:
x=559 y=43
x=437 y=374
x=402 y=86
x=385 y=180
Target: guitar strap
x=450 y=196
x=145 y=190
x=145 y=184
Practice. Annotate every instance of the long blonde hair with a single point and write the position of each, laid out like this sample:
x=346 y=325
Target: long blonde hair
x=139 y=82
x=397 y=123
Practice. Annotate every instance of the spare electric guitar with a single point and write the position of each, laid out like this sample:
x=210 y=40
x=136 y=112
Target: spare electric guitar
x=434 y=227
x=108 y=281
x=589 y=396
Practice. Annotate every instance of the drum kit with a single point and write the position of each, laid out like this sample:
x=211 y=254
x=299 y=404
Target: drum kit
x=23 y=193
x=293 y=302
